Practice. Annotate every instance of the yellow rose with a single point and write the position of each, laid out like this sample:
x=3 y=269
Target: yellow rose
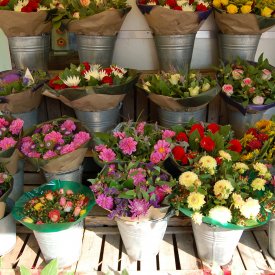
x=217 y=4
x=38 y=206
x=224 y=2
x=266 y=12
x=246 y=9
x=232 y=9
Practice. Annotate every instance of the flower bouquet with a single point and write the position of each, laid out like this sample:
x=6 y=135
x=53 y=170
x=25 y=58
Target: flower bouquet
x=174 y=23
x=248 y=89
x=223 y=198
x=56 y=146
x=137 y=195
x=21 y=94
x=133 y=141
x=55 y=212
x=93 y=92
x=180 y=95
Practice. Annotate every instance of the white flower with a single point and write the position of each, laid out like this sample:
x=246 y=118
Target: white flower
x=71 y=81
x=42 y=8
x=119 y=69
x=261 y=168
x=76 y=15
x=258 y=100
x=20 y=5
x=117 y=73
x=240 y=167
x=197 y=218
x=225 y=155
x=266 y=74
x=237 y=200
x=250 y=209
x=174 y=79
x=95 y=67
x=146 y=85
x=188 y=8
x=221 y=214
x=92 y=73
x=102 y=74
x=151 y=3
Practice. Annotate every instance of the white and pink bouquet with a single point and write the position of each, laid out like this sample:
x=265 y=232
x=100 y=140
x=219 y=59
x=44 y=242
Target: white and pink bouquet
x=55 y=146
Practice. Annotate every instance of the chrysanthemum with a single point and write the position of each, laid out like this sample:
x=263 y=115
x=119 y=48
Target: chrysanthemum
x=188 y=178
x=225 y=155
x=195 y=200
x=197 y=218
x=208 y=163
x=6 y=143
x=107 y=155
x=49 y=154
x=222 y=189
x=163 y=147
x=72 y=81
x=80 y=138
x=54 y=137
x=240 y=167
x=16 y=126
x=138 y=207
x=221 y=214
x=246 y=139
x=93 y=72
x=237 y=200
x=128 y=145
x=250 y=209
x=258 y=184
x=105 y=202
x=261 y=168
x=263 y=125
x=68 y=125
x=138 y=175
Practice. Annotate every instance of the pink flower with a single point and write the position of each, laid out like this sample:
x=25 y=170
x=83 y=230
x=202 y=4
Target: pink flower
x=3 y=122
x=105 y=201
x=68 y=125
x=69 y=192
x=168 y=134
x=163 y=147
x=162 y=191
x=16 y=126
x=68 y=206
x=54 y=215
x=252 y=90
x=120 y=135
x=138 y=175
x=62 y=201
x=46 y=128
x=246 y=82
x=100 y=147
x=68 y=148
x=49 y=154
x=258 y=100
x=6 y=143
x=33 y=155
x=26 y=145
x=54 y=137
x=266 y=74
x=3 y=177
x=107 y=155
x=81 y=138
x=138 y=207
x=128 y=145
x=155 y=157
x=49 y=195
x=237 y=74
x=227 y=89
x=140 y=128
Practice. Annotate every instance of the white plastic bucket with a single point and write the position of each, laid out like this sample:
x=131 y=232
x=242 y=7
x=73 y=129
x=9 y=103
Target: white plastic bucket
x=64 y=245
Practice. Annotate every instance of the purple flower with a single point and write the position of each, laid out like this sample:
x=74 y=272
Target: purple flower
x=96 y=187
x=11 y=78
x=138 y=207
x=128 y=145
x=25 y=81
x=105 y=201
x=109 y=191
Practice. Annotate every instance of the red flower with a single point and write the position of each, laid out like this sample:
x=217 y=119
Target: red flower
x=207 y=144
x=201 y=7
x=252 y=131
x=4 y=3
x=178 y=152
x=254 y=144
x=54 y=215
x=107 y=80
x=177 y=8
x=213 y=127
x=57 y=86
x=171 y=3
x=263 y=137
x=191 y=2
x=198 y=127
x=86 y=65
x=235 y=145
x=181 y=137
x=218 y=160
x=184 y=160
x=108 y=71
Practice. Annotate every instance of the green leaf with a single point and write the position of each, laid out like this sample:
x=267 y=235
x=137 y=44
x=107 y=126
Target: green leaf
x=124 y=272
x=51 y=268
x=130 y=194
x=129 y=184
x=194 y=140
x=24 y=270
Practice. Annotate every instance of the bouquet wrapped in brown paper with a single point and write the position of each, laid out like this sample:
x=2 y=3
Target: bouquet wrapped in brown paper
x=56 y=146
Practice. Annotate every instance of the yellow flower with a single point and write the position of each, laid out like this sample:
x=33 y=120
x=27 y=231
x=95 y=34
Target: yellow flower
x=266 y=12
x=38 y=206
x=82 y=212
x=195 y=200
x=224 y=2
x=28 y=220
x=246 y=139
x=217 y=3
x=263 y=125
x=258 y=184
x=261 y=168
x=237 y=200
x=232 y=9
x=240 y=167
x=188 y=179
x=247 y=156
x=197 y=218
x=174 y=79
x=208 y=163
x=225 y=155
x=222 y=189
x=246 y=9
x=249 y=3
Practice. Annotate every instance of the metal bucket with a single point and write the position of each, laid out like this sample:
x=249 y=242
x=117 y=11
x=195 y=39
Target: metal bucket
x=7 y=231
x=175 y=51
x=18 y=182
x=75 y=175
x=100 y=121
x=30 y=118
x=170 y=118
x=30 y=51
x=215 y=244
x=271 y=236
x=142 y=239
x=231 y=46
x=96 y=49
x=240 y=123
x=65 y=245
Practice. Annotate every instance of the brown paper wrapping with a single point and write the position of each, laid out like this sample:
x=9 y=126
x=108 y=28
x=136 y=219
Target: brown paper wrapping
x=24 y=23
x=104 y=23
x=164 y=21
x=22 y=102
x=67 y=162
x=238 y=23
x=11 y=163
x=91 y=102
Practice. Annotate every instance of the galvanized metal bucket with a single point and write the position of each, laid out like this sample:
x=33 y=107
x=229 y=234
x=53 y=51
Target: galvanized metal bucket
x=75 y=175
x=240 y=123
x=30 y=51
x=18 y=182
x=170 y=118
x=231 y=46
x=175 y=51
x=271 y=236
x=215 y=244
x=7 y=231
x=64 y=245
x=30 y=118
x=142 y=239
x=96 y=49
x=100 y=121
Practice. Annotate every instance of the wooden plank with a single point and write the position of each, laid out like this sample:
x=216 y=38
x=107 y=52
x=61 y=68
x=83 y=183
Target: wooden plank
x=142 y=104
x=186 y=251
x=53 y=108
x=40 y=263
x=128 y=106
x=166 y=254
x=66 y=110
x=237 y=263
x=126 y=262
x=42 y=111
x=89 y=259
x=214 y=110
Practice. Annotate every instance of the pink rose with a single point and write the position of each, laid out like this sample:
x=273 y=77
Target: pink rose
x=227 y=89
x=237 y=74
x=62 y=201
x=247 y=82
x=252 y=90
x=68 y=206
x=258 y=100
x=266 y=74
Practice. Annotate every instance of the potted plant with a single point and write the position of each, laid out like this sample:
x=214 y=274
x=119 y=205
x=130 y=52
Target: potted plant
x=174 y=25
x=21 y=94
x=249 y=92
x=55 y=212
x=137 y=196
x=94 y=92
x=223 y=197
x=24 y=24
x=241 y=24
x=180 y=97
x=133 y=141
x=58 y=147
